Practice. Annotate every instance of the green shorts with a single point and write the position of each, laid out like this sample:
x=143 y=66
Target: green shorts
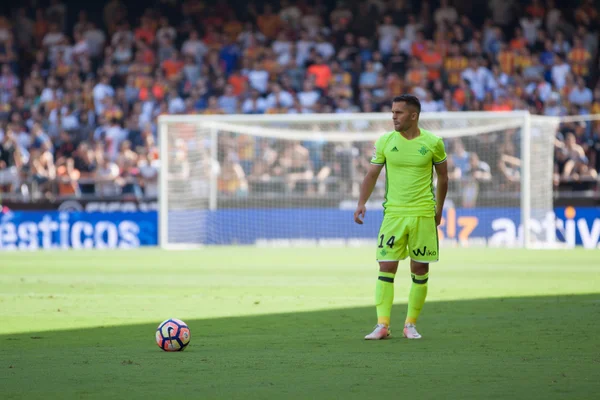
x=401 y=237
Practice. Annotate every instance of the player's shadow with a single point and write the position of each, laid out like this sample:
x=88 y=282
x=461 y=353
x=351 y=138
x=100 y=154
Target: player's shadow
x=531 y=347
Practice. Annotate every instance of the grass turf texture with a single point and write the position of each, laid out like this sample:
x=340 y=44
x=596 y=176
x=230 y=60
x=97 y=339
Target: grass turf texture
x=289 y=323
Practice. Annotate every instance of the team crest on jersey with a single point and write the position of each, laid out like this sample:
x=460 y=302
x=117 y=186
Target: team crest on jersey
x=423 y=150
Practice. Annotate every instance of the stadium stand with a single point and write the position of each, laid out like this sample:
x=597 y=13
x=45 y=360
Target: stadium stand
x=81 y=87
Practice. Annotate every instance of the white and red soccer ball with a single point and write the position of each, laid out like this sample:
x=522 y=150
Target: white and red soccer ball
x=173 y=335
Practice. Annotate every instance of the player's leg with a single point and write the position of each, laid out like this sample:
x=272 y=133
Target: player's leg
x=416 y=297
x=391 y=248
x=423 y=249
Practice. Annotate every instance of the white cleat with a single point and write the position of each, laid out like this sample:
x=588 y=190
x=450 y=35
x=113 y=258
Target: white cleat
x=381 y=332
x=410 y=332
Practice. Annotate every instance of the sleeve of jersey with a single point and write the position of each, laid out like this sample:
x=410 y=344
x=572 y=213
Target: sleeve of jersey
x=378 y=157
x=439 y=152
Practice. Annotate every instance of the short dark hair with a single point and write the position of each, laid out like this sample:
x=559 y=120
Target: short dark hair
x=410 y=100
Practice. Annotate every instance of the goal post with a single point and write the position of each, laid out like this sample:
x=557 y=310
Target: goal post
x=293 y=179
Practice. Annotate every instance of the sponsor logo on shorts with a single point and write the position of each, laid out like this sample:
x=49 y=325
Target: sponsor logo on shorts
x=424 y=252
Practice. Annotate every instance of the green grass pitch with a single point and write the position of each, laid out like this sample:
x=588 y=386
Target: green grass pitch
x=289 y=324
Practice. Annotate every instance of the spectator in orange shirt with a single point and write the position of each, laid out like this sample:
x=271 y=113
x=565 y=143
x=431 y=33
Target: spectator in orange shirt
x=579 y=58
x=269 y=23
x=159 y=88
x=416 y=73
x=322 y=73
x=419 y=46
x=523 y=59
x=536 y=9
x=111 y=110
x=172 y=66
x=145 y=54
x=441 y=43
x=502 y=103
x=454 y=65
x=432 y=60
x=519 y=41
x=395 y=85
x=462 y=94
x=238 y=82
x=232 y=27
x=145 y=32
x=506 y=59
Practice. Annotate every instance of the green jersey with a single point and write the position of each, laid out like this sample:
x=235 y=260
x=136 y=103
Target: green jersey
x=409 y=172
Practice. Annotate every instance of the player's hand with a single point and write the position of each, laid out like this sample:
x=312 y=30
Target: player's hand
x=359 y=214
x=438 y=218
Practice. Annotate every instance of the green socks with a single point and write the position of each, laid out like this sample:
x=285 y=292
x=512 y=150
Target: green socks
x=416 y=298
x=384 y=297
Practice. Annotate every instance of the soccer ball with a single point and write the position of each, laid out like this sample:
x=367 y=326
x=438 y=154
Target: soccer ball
x=173 y=335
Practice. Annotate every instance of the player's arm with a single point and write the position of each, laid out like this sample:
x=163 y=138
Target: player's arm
x=368 y=183
x=441 y=169
x=366 y=188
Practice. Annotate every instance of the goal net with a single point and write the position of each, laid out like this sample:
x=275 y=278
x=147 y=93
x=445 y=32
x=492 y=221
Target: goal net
x=292 y=180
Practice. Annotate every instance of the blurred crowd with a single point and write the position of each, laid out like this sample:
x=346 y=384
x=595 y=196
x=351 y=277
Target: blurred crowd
x=80 y=94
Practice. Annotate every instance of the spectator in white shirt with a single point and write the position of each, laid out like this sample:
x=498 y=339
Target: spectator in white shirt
x=290 y=14
x=429 y=104
x=539 y=85
x=105 y=176
x=309 y=96
x=581 y=95
x=282 y=46
x=553 y=108
x=279 y=96
x=502 y=11
x=552 y=17
x=54 y=37
x=404 y=44
x=149 y=168
x=258 y=78
x=123 y=33
x=324 y=47
x=101 y=90
x=303 y=47
x=387 y=32
x=51 y=92
x=254 y=104
x=194 y=47
x=298 y=108
x=445 y=13
x=478 y=77
x=411 y=29
x=250 y=35
x=166 y=31
x=113 y=138
x=561 y=45
x=559 y=71
x=228 y=102
x=312 y=22
x=176 y=103
x=96 y=39
x=530 y=26
x=81 y=48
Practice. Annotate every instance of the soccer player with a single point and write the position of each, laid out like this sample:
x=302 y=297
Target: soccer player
x=411 y=211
